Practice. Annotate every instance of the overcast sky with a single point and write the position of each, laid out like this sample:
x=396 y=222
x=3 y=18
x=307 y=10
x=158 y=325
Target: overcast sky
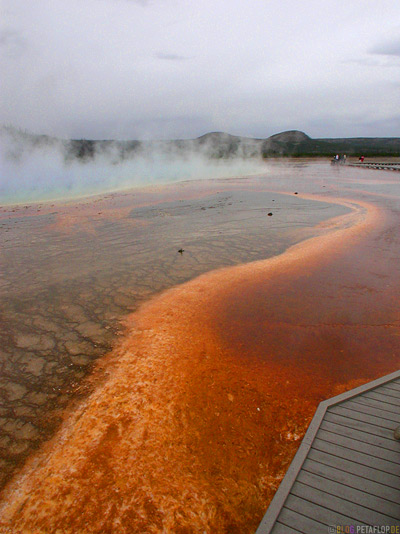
x=153 y=69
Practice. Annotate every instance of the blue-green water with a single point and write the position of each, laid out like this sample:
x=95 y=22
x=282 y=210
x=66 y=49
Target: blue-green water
x=38 y=168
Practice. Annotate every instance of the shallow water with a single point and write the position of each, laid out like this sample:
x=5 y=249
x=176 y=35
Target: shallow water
x=69 y=273
x=243 y=355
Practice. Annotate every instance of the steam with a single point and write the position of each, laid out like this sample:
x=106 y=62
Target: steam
x=39 y=168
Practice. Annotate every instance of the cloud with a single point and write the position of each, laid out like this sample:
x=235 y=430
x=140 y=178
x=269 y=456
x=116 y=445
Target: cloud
x=12 y=43
x=388 y=48
x=145 y=68
x=143 y=3
x=171 y=57
x=380 y=60
x=375 y=127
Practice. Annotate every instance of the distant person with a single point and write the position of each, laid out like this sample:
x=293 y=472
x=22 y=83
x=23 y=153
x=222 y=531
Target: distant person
x=361 y=159
x=344 y=158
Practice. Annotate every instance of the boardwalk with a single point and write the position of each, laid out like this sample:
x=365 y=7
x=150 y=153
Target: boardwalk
x=377 y=165
x=347 y=469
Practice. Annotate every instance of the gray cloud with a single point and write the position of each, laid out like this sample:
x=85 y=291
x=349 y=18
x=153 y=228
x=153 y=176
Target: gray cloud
x=378 y=127
x=376 y=60
x=173 y=69
x=391 y=48
x=12 y=43
x=171 y=57
x=143 y=3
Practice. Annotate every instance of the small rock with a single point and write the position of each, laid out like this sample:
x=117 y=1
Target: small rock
x=181 y=251
x=397 y=433
x=270 y=214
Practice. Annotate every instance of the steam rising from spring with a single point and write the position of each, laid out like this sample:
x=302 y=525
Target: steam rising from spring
x=38 y=167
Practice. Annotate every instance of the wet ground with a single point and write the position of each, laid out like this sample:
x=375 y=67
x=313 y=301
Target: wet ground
x=213 y=383
x=70 y=272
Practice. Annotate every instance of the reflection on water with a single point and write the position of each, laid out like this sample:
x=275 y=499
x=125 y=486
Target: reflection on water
x=213 y=383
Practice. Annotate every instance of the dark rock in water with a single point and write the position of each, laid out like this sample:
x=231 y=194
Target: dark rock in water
x=270 y=214
x=181 y=251
x=397 y=433
x=296 y=193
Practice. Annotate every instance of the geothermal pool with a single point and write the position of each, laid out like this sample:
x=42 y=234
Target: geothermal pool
x=147 y=390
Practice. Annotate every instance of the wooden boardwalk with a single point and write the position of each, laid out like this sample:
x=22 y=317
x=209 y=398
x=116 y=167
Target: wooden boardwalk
x=377 y=165
x=347 y=469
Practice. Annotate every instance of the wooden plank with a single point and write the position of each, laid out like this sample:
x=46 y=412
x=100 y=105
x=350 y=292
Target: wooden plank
x=395 y=381
x=280 y=528
x=360 y=425
x=354 y=415
x=353 y=495
x=357 y=456
x=351 y=509
x=393 y=386
x=386 y=399
x=373 y=410
x=394 y=393
x=389 y=391
x=319 y=513
x=299 y=521
x=387 y=409
x=365 y=437
x=372 y=450
x=349 y=467
x=354 y=480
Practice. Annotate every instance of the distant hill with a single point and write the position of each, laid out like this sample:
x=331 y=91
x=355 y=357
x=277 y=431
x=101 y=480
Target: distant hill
x=285 y=144
x=214 y=145
x=298 y=144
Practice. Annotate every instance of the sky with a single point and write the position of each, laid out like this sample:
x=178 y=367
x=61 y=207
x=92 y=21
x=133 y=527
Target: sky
x=159 y=69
